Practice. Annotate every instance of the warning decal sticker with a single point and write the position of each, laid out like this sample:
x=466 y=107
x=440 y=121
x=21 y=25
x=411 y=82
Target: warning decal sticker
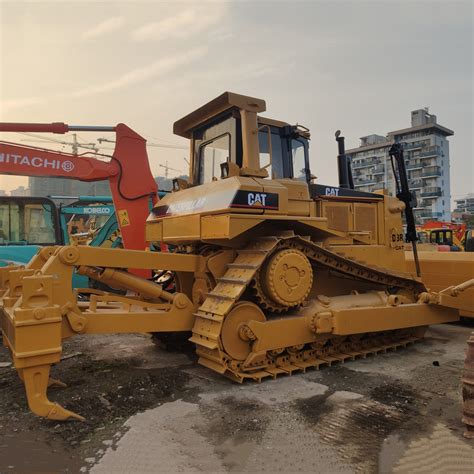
x=123 y=218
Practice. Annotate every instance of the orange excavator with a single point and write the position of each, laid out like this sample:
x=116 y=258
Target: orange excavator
x=127 y=170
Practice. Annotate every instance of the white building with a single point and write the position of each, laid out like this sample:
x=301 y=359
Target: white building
x=427 y=156
x=465 y=205
x=20 y=191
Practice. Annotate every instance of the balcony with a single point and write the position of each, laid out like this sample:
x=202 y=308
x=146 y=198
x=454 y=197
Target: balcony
x=422 y=212
x=415 y=183
x=428 y=214
x=414 y=166
x=430 y=151
x=365 y=163
x=430 y=192
x=431 y=172
x=412 y=146
x=364 y=182
x=379 y=169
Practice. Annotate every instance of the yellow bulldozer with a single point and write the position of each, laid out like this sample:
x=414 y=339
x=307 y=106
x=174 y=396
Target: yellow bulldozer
x=272 y=273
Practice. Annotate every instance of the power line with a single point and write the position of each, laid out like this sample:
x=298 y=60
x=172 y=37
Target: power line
x=159 y=145
x=74 y=143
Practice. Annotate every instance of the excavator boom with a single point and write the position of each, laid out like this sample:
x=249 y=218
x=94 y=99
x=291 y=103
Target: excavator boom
x=23 y=160
x=127 y=169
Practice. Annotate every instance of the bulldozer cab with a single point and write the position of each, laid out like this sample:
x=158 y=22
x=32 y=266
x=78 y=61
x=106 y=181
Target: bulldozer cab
x=236 y=141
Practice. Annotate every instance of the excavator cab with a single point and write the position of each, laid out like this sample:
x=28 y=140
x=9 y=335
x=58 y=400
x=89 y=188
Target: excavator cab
x=442 y=237
x=29 y=221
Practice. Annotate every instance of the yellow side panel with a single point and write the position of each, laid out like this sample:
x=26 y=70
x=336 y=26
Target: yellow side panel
x=154 y=232
x=365 y=219
x=339 y=215
x=226 y=226
x=298 y=208
x=215 y=227
x=182 y=228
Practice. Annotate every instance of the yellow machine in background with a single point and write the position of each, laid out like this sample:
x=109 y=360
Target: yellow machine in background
x=448 y=236
x=273 y=273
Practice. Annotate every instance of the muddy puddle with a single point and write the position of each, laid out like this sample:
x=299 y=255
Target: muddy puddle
x=27 y=451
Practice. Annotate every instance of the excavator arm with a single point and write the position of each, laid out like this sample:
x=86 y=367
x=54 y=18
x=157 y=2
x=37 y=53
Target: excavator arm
x=23 y=160
x=127 y=170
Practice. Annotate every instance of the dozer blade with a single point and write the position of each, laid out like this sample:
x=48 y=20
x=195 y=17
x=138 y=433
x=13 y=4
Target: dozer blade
x=441 y=270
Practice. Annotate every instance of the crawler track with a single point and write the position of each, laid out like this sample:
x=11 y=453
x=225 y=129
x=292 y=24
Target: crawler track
x=241 y=274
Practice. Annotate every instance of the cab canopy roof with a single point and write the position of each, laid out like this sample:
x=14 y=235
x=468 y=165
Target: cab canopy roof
x=226 y=101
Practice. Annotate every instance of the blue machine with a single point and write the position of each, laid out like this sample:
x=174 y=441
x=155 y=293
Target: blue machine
x=29 y=223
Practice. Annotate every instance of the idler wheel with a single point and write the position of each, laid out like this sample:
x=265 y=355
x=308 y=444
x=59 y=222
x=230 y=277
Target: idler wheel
x=235 y=336
x=288 y=277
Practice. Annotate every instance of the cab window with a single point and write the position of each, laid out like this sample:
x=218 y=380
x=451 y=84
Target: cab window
x=267 y=138
x=298 y=158
x=27 y=224
x=215 y=143
x=211 y=155
x=448 y=237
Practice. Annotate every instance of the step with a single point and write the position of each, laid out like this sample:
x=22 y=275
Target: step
x=239 y=281
x=220 y=295
x=201 y=341
x=243 y=266
x=211 y=317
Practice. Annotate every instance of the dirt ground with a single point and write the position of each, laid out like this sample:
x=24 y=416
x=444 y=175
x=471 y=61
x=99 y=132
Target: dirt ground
x=149 y=410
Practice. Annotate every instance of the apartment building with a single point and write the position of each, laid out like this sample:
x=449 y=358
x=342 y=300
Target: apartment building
x=465 y=205
x=427 y=157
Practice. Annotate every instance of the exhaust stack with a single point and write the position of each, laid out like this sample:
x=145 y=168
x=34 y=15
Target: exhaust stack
x=343 y=164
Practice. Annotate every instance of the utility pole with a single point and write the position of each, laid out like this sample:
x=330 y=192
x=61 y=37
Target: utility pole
x=74 y=145
x=167 y=168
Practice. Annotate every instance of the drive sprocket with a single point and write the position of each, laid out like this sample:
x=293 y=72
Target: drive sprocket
x=285 y=281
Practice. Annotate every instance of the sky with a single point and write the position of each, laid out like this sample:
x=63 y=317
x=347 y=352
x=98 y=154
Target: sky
x=358 y=66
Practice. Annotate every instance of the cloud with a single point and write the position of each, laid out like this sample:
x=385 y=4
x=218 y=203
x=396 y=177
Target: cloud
x=7 y=105
x=184 y=24
x=156 y=69
x=104 y=27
